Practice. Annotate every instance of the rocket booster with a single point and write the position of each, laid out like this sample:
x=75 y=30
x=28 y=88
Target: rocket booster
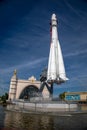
x=56 y=70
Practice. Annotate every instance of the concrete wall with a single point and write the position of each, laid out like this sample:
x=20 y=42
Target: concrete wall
x=46 y=107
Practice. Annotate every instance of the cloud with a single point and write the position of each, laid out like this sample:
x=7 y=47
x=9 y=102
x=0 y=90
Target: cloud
x=30 y=64
x=74 y=82
x=76 y=53
x=73 y=9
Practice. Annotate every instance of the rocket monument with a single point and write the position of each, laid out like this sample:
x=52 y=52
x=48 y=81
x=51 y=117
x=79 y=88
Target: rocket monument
x=56 y=70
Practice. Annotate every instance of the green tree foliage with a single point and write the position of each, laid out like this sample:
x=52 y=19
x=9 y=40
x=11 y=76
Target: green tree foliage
x=4 y=98
x=62 y=95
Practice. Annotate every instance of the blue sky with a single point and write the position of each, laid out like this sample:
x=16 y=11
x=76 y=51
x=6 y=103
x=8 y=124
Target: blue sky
x=25 y=40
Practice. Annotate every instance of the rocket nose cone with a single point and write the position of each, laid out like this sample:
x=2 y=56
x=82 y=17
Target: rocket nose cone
x=53 y=17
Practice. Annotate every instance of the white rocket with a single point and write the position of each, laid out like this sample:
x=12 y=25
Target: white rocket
x=56 y=70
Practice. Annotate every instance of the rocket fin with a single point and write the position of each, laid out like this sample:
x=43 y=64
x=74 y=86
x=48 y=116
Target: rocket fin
x=60 y=63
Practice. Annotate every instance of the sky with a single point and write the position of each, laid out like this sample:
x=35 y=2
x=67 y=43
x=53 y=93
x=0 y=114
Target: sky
x=25 y=40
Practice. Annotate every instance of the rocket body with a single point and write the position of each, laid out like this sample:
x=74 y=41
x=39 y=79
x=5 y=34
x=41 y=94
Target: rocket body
x=56 y=70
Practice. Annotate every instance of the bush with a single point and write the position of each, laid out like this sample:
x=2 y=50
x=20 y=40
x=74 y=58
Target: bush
x=62 y=95
x=4 y=98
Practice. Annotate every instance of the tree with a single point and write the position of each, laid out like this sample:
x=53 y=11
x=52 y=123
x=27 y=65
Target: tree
x=4 y=98
x=62 y=95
